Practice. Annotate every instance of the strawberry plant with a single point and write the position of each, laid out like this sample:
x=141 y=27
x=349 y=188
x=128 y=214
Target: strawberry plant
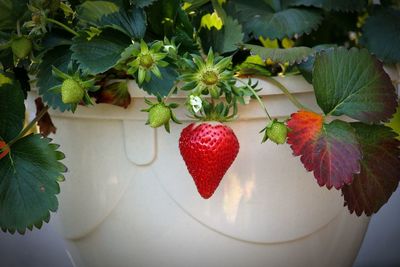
x=81 y=53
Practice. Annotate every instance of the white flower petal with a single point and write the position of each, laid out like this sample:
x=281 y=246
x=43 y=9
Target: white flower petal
x=195 y=102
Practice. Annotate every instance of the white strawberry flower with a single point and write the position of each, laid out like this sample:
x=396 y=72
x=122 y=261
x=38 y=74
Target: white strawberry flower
x=195 y=102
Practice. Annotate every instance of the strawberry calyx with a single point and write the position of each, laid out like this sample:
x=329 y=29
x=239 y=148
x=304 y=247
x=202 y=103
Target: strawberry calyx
x=211 y=111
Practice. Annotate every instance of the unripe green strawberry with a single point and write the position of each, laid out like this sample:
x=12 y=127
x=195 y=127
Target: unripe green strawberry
x=159 y=115
x=71 y=91
x=277 y=132
x=21 y=47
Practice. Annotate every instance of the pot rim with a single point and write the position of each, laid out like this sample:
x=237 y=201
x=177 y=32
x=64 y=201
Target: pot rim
x=295 y=84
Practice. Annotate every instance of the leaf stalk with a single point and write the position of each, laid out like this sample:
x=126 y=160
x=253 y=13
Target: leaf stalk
x=29 y=126
x=65 y=27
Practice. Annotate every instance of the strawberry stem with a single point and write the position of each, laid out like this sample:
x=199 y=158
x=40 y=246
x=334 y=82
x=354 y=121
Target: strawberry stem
x=171 y=91
x=29 y=126
x=18 y=28
x=4 y=148
x=257 y=97
x=287 y=93
x=65 y=27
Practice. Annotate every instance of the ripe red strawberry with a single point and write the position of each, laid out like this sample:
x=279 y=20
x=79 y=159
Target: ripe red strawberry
x=208 y=151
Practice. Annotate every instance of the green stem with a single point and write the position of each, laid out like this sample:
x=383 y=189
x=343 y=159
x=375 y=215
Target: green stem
x=286 y=92
x=257 y=97
x=171 y=91
x=65 y=27
x=29 y=126
x=18 y=28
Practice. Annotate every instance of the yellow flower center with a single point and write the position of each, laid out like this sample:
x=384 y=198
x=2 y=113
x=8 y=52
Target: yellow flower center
x=146 y=61
x=210 y=77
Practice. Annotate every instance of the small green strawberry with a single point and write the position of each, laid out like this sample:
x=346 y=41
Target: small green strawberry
x=159 y=115
x=71 y=91
x=277 y=132
x=21 y=46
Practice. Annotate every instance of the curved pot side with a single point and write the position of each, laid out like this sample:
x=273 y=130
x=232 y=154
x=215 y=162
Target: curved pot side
x=127 y=184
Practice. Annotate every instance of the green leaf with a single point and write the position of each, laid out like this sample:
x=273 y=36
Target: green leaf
x=306 y=67
x=337 y=5
x=331 y=150
x=258 y=18
x=353 y=83
x=381 y=35
x=56 y=38
x=380 y=169
x=132 y=22
x=142 y=3
x=11 y=11
x=29 y=177
x=93 y=11
x=12 y=110
x=225 y=40
x=100 y=53
x=279 y=55
x=161 y=87
x=59 y=57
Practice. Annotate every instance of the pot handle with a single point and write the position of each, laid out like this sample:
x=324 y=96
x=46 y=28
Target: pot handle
x=140 y=142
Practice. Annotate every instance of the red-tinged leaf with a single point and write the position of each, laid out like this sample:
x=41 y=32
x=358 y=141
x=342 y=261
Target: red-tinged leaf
x=116 y=94
x=331 y=150
x=3 y=149
x=45 y=124
x=305 y=127
x=380 y=170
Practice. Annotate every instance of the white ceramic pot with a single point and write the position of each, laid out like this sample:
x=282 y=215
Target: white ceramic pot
x=129 y=201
